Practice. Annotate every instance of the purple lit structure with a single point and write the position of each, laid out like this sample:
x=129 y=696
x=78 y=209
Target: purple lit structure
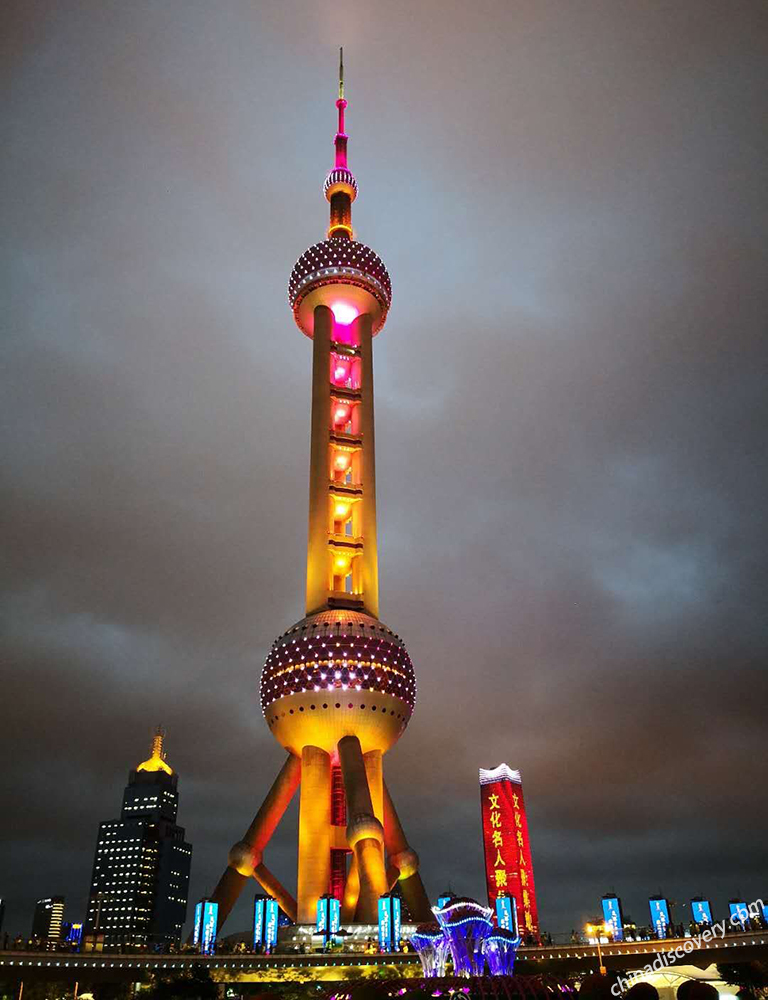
x=464 y=930
x=500 y=948
x=431 y=946
x=466 y=924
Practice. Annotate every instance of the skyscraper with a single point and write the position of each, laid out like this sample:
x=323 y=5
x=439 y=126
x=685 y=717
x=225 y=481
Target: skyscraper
x=46 y=922
x=140 y=882
x=338 y=687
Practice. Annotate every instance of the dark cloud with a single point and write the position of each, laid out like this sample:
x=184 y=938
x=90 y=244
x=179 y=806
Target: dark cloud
x=571 y=413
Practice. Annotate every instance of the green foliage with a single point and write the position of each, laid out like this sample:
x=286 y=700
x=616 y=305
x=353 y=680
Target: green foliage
x=751 y=977
x=196 y=984
x=39 y=990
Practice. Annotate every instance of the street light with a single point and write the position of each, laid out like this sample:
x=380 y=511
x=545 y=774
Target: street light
x=597 y=930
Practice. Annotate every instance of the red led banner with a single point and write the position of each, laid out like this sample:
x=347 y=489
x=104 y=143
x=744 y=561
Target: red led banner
x=508 y=865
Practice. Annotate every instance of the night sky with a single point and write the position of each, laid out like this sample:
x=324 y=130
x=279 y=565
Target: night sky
x=571 y=197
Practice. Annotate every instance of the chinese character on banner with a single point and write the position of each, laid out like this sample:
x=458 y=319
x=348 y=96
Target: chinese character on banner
x=508 y=865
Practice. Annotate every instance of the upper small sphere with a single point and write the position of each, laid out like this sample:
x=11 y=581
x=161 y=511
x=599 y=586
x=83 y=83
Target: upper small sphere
x=338 y=673
x=339 y=269
x=340 y=179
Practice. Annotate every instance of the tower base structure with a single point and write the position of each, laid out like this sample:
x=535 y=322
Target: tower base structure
x=372 y=833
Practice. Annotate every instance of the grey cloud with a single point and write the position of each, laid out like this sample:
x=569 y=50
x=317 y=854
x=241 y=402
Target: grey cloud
x=571 y=416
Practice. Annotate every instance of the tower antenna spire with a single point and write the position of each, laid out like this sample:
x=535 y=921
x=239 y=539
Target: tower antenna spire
x=340 y=185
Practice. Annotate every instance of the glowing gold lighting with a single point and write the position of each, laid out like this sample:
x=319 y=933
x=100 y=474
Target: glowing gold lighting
x=156 y=761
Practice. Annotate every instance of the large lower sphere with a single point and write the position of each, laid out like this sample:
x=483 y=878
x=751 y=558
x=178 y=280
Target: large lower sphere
x=338 y=673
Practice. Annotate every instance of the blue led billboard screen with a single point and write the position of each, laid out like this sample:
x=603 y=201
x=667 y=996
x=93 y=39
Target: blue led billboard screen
x=612 y=917
x=270 y=927
x=739 y=912
x=701 y=911
x=196 y=930
x=258 y=921
x=208 y=934
x=659 y=916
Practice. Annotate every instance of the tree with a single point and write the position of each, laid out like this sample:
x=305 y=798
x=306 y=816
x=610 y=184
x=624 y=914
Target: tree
x=750 y=977
x=196 y=984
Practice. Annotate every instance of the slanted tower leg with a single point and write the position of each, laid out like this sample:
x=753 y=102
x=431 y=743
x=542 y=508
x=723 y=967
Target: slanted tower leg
x=351 y=893
x=375 y=775
x=245 y=858
x=404 y=864
x=314 y=832
x=365 y=833
x=273 y=887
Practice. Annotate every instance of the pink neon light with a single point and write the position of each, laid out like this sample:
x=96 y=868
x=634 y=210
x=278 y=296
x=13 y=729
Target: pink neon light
x=344 y=313
x=341 y=137
x=341 y=416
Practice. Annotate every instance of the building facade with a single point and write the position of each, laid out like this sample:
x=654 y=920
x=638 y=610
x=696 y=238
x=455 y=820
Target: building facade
x=140 y=883
x=47 y=919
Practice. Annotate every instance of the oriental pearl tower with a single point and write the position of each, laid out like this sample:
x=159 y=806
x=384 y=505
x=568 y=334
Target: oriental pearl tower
x=338 y=687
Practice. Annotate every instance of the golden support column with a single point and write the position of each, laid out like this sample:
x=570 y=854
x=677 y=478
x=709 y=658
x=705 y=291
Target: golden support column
x=314 y=832
x=365 y=833
x=405 y=862
x=319 y=468
x=370 y=558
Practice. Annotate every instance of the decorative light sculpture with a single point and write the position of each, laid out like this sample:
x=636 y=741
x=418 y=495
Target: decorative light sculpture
x=466 y=924
x=500 y=948
x=389 y=923
x=431 y=945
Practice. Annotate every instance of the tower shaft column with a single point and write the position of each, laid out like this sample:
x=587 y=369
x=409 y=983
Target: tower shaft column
x=317 y=546
x=365 y=833
x=314 y=832
x=370 y=558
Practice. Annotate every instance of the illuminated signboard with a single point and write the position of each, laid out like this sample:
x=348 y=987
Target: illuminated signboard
x=328 y=916
x=334 y=918
x=506 y=913
x=259 y=906
x=389 y=923
x=613 y=917
x=659 y=915
x=765 y=912
x=739 y=912
x=395 y=922
x=270 y=926
x=208 y=933
x=198 y=921
x=508 y=865
x=321 y=924
x=701 y=911
x=385 y=928
x=75 y=935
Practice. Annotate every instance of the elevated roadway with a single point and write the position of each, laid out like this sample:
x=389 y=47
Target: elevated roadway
x=568 y=960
